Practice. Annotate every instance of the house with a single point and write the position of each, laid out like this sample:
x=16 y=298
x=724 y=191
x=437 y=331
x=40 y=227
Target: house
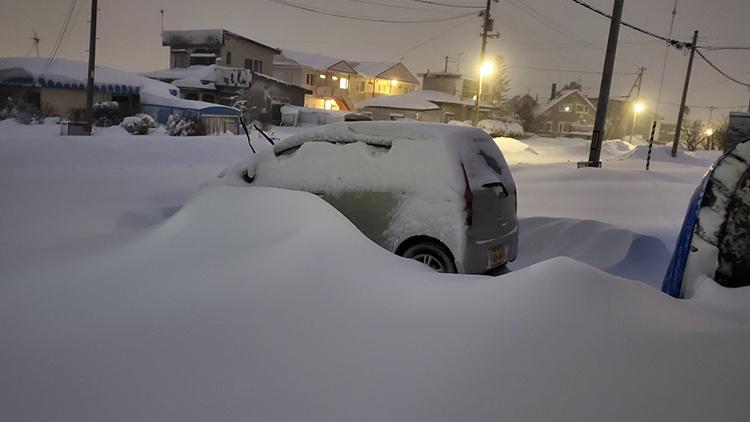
x=217 y=46
x=567 y=113
x=339 y=84
x=59 y=86
x=221 y=84
x=423 y=105
x=465 y=89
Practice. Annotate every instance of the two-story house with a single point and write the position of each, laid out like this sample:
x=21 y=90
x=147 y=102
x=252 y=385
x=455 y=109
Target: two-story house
x=339 y=84
x=217 y=46
x=567 y=113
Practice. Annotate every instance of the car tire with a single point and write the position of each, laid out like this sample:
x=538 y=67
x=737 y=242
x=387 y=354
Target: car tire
x=434 y=255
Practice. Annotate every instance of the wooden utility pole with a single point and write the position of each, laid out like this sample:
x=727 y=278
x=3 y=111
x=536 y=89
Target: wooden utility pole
x=597 y=135
x=486 y=27
x=681 y=113
x=92 y=68
x=639 y=82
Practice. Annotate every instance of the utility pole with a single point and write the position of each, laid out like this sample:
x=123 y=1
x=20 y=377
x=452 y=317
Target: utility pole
x=601 y=108
x=486 y=27
x=162 y=20
x=636 y=103
x=92 y=68
x=681 y=113
x=748 y=101
x=445 y=69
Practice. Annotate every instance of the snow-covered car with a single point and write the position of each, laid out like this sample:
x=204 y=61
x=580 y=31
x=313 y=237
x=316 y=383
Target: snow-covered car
x=440 y=194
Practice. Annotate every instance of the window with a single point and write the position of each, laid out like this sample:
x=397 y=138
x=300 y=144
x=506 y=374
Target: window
x=254 y=65
x=191 y=96
x=548 y=126
x=309 y=79
x=565 y=108
x=581 y=108
x=209 y=98
x=229 y=58
x=344 y=83
x=361 y=86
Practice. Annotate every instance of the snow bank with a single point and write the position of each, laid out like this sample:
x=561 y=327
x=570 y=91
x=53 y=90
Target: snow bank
x=614 y=250
x=200 y=312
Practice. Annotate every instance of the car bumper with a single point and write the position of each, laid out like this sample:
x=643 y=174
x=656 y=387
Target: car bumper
x=477 y=254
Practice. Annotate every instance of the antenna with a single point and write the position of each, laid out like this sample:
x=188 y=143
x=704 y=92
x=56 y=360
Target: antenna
x=36 y=42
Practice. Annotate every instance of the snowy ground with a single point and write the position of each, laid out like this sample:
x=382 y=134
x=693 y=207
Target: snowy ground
x=117 y=300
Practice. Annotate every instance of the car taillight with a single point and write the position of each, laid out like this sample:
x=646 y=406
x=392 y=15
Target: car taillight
x=468 y=199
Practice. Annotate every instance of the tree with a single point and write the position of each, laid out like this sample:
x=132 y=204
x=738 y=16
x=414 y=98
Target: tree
x=497 y=83
x=523 y=107
x=572 y=85
x=692 y=135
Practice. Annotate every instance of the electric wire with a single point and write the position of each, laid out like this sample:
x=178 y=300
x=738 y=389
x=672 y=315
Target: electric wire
x=367 y=18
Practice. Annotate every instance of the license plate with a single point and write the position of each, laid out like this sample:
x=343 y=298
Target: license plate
x=497 y=256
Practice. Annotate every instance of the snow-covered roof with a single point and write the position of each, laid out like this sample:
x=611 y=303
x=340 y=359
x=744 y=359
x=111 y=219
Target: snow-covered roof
x=204 y=37
x=71 y=74
x=417 y=100
x=561 y=96
x=316 y=61
x=374 y=68
x=198 y=72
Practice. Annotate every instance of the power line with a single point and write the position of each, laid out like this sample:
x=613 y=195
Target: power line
x=461 y=6
x=366 y=18
x=591 y=72
x=58 y=43
x=675 y=43
x=539 y=17
x=705 y=59
x=396 y=6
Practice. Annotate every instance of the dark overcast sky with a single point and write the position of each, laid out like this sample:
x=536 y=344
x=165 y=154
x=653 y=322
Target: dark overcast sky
x=563 y=35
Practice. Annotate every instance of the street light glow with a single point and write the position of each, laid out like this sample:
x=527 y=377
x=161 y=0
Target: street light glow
x=486 y=68
x=639 y=107
x=709 y=132
x=394 y=82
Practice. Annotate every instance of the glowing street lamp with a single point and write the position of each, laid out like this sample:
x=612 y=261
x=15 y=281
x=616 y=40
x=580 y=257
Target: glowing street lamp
x=637 y=108
x=485 y=69
x=709 y=132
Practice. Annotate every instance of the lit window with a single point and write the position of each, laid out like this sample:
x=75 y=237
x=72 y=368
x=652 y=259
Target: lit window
x=322 y=76
x=344 y=83
x=335 y=78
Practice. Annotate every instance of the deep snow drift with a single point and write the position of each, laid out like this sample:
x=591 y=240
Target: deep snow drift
x=302 y=317
x=128 y=292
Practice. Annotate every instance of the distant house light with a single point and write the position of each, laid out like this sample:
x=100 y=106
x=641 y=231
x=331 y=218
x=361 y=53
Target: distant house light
x=322 y=76
x=335 y=78
x=344 y=83
x=394 y=82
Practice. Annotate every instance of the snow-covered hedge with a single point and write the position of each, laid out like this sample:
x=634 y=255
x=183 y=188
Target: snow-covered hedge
x=499 y=128
x=24 y=113
x=139 y=124
x=185 y=125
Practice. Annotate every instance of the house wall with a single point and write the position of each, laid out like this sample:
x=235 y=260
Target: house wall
x=449 y=85
x=241 y=50
x=63 y=101
x=556 y=121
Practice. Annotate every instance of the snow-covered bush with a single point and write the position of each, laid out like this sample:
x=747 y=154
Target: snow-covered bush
x=185 y=125
x=107 y=114
x=499 y=128
x=460 y=123
x=24 y=112
x=139 y=124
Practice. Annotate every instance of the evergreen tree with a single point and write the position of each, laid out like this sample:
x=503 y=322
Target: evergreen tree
x=496 y=84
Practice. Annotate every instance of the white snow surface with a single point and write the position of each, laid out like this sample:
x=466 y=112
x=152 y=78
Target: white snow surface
x=127 y=291
x=417 y=100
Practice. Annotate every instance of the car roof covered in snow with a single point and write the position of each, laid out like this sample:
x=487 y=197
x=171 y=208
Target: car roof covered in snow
x=379 y=133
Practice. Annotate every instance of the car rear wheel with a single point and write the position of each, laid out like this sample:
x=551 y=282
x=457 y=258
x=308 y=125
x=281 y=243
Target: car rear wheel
x=433 y=255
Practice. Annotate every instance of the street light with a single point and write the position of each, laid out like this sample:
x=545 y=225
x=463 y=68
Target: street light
x=485 y=69
x=709 y=132
x=637 y=108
